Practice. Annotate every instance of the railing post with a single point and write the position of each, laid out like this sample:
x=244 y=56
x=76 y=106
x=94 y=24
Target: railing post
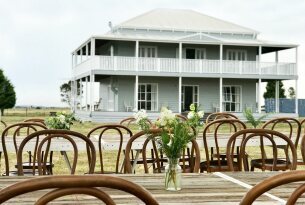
x=259 y=60
x=240 y=67
x=158 y=64
x=137 y=55
x=277 y=62
x=115 y=62
x=220 y=59
x=201 y=66
x=180 y=57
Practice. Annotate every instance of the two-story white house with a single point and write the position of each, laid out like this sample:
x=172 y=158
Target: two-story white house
x=173 y=58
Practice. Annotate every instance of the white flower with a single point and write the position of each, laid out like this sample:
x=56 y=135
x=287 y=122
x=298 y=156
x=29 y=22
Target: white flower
x=190 y=115
x=200 y=113
x=62 y=118
x=166 y=117
x=140 y=115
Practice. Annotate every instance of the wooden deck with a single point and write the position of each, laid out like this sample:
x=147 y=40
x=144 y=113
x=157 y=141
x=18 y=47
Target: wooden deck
x=216 y=188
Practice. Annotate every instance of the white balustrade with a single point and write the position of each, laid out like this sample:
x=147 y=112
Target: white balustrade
x=201 y=66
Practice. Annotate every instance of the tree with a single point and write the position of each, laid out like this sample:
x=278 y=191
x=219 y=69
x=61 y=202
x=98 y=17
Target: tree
x=7 y=93
x=291 y=93
x=270 y=90
x=65 y=93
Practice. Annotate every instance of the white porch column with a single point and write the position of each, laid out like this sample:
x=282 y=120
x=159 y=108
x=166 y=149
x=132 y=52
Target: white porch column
x=92 y=51
x=81 y=92
x=86 y=100
x=180 y=57
x=136 y=91
x=73 y=93
x=259 y=96
x=259 y=60
x=277 y=61
x=137 y=56
x=92 y=79
x=277 y=110
x=220 y=95
x=296 y=83
x=75 y=59
x=220 y=58
x=180 y=94
x=111 y=50
x=86 y=51
x=81 y=55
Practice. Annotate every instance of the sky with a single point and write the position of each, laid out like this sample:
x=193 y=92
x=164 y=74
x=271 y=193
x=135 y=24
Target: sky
x=38 y=36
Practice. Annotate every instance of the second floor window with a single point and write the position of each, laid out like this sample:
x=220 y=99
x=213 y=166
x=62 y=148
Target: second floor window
x=237 y=55
x=148 y=51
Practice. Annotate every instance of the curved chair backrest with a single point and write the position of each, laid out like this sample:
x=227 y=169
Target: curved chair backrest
x=3 y=123
x=303 y=126
x=46 y=136
x=38 y=120
x=220 y=115
x=153 y=134
x=260 y=135
x=101 y=131
x=273 y=182
x=18 y=130
x=294 y=127
x=130 y=120
x=67 y=185
x=222 y=127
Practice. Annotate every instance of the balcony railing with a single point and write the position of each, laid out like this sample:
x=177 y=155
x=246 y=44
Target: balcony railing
x=171 y=65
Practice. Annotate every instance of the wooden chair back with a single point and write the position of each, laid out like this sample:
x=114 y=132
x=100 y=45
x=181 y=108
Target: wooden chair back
x=102 y=131
x=220 y=115
x=38 y=120
x=275 y=181
x=69 y=185
x=154 y=133
x=291 y=125
x=259 y=135
x=131 y=120
x=47 y=137
x=223 y=128
x=17 y=131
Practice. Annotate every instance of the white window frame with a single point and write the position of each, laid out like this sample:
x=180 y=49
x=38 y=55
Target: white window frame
x=237 y=51
x=146 y=47
x=230 y=101
x=196 y=49
x=157 y=96
x=183 y=96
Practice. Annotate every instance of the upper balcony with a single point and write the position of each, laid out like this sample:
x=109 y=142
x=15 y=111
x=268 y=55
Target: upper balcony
x=186 y=67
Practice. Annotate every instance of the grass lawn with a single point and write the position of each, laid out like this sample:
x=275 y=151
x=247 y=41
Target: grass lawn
x=18 y=115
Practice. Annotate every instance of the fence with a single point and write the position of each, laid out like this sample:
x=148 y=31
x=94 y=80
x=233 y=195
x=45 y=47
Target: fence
x=285 y=106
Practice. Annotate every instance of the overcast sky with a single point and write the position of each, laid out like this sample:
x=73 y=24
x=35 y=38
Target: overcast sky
x=37 y=36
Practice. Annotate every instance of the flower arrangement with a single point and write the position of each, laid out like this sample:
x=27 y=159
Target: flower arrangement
x=175 y=135
x=62 y=120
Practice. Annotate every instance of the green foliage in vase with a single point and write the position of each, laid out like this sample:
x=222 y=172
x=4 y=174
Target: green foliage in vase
x=175 y=133
x=251 y=119
x=62 y=120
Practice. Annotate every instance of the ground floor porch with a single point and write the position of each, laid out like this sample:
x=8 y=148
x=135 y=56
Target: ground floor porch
x=120 y=95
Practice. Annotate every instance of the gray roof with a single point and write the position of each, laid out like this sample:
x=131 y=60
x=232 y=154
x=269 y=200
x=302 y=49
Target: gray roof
x=184 y=20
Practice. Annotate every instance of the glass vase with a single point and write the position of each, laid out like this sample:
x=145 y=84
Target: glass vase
x=173 y=175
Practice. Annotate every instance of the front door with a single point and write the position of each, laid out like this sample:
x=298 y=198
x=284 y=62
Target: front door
x=189 y=96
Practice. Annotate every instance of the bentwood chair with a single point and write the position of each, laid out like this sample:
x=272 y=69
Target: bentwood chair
x=49 y=139
x=92 y=185
x=3 y=125
x=146 y=142
x=267 y=139
x=288 y=126
x=37 y=120
x=121 y=134
x=131 y=120
x=224 y=128
x=276 y=181
x=11 y=138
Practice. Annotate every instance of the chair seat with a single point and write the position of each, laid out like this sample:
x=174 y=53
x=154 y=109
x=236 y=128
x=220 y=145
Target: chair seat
x=281 y=164
x=216 y=167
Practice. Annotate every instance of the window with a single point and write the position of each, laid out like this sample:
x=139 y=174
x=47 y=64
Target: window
x=148 y=51
x=147 y=96
x=195 y=53
x=238 y=55
x=231 y=98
